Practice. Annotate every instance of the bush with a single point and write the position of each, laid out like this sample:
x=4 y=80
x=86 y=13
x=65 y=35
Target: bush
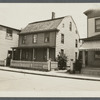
x=62 y=61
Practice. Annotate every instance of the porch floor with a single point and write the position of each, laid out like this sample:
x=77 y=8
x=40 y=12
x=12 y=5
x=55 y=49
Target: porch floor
x=91 y=70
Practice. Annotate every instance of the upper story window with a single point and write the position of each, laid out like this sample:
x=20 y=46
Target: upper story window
x=63 y=25
x=76 y=55
x=24 y=39
x=9 y=34
x=76 y=43
x=70 y=26
x=34 y=40
x=76 y=31
x=62 y=38
x=46 y=37
x=97 y=25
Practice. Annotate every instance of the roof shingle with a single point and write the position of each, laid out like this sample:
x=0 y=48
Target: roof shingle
x=42 y=26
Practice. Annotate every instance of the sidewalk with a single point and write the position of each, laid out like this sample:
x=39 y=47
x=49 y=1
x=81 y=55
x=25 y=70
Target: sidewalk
x=59 y=74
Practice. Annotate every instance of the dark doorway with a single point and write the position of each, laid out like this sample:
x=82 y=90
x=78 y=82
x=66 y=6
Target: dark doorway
x=9 y=55
x=40 y=54
x=86 y=58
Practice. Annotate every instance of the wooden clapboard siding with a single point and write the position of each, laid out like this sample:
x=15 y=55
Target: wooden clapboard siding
x=6 y=44
x=69 y=38
x=40 y=40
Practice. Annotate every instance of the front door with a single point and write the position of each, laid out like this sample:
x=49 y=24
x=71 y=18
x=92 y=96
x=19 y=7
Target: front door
x=8 y=58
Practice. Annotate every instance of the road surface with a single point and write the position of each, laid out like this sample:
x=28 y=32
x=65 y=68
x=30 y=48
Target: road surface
x=12 y=81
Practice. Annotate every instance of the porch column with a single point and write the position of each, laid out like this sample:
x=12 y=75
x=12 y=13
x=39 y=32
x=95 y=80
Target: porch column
x=20 y=54
x=47 y=53
x=83 y=58
x=12 y=54
x=33 y=54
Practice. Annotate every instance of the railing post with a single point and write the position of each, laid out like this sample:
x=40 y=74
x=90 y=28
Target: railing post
x=20 y=54
x=83 y=58
x=47 y=53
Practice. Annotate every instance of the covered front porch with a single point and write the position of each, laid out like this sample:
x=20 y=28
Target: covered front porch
x=90 y=51
x=33 y=54
x=35 y=58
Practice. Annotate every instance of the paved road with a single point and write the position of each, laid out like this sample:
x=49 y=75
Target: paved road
x=11 y=81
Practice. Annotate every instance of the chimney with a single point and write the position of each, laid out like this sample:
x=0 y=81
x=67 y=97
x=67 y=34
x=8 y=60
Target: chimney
x=53 y=15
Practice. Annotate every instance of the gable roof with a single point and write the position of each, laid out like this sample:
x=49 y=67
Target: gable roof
x=10 y=27
x=40 y=26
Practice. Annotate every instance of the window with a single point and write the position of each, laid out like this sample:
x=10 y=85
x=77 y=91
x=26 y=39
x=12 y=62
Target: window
x=62 y=38
x=75 y=55
x=97 y=55
x=24 y=39
x=62 y=51
x=97 y=25
x=76 y=31
x=34 y=40
x=76 y=43
x=46 y=37
x=70 y=26
x=63 y=25
x=9 y=33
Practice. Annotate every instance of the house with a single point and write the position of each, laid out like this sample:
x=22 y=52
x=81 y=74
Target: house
x=43 y=40
x=8 y=39
x=91 y=45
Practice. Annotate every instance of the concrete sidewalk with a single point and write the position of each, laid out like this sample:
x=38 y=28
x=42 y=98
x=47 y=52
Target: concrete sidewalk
x=59 y=74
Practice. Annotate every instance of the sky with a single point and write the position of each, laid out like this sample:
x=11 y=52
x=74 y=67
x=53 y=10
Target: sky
x=18 y=15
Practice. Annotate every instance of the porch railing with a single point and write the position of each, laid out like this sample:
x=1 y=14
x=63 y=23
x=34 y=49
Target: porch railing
x=34 y=65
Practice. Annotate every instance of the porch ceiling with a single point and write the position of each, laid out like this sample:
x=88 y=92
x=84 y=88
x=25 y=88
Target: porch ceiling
x=23 y=47
x=90 y=45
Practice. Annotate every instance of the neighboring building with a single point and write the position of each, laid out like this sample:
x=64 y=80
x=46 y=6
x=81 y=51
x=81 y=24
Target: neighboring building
x=43 y=40
x=91 y=45
x=8 y=39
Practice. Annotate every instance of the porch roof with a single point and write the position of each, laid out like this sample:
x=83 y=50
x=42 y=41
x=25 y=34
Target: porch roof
x=90 y=45
x=27 y=47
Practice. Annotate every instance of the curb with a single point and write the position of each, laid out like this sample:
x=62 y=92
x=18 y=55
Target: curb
x=78 y=78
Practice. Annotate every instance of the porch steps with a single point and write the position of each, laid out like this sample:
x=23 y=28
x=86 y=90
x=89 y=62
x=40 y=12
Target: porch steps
x=91 y=71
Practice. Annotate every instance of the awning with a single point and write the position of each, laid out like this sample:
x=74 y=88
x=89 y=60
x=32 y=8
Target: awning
x=90 y=45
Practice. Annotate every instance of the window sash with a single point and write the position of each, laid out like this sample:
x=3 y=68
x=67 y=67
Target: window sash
x=97 y=25
x=34 y=38
x=24 y=39
x=47 y=37
x=62 y=38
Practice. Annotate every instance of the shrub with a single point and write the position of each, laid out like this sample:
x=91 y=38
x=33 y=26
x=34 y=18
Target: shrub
x=62 y=61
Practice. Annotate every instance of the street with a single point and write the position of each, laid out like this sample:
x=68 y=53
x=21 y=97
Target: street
x=12 y=81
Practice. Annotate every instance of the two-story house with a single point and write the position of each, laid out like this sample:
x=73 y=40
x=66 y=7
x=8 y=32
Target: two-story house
x=91 y=44
x=8 y=39
x=43 y=40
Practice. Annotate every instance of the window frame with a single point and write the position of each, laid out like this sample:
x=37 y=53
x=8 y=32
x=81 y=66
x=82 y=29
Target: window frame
x=70 y=26
x=34 y=39
x=45 y=36
x=9 y=33
x=62 y=38
x=97 y=30
x=96 y=58
x=76 y=43
x=24 y=37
